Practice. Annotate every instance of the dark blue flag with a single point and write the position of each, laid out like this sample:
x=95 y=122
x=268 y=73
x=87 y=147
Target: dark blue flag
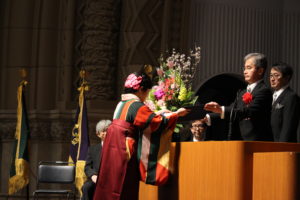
x=19 y=171
x=80 y=140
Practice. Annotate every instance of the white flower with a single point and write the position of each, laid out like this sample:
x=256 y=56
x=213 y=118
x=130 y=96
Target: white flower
x=161 y=104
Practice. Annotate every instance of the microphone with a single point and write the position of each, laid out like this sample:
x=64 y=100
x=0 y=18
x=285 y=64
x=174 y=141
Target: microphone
x=231 y=118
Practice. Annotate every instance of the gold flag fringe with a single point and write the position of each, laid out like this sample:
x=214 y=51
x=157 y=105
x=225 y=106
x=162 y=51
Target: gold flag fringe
x=80 y=177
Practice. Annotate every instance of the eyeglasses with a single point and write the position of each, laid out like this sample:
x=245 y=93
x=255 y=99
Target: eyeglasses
x=199 y=125
x=275 y=76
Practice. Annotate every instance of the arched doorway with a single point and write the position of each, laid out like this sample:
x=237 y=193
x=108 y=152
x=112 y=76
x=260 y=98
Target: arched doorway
x=221 y=88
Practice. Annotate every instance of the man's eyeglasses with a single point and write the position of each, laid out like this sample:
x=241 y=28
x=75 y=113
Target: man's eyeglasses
x=275 y=76
x=199 y=125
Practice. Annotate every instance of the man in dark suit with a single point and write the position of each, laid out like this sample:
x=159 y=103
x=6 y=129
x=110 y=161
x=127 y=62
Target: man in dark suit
x=250 y=114
x=286 y=104
x=93 y=161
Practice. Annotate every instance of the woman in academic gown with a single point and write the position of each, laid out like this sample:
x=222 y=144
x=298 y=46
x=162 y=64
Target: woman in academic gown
x=119 y=173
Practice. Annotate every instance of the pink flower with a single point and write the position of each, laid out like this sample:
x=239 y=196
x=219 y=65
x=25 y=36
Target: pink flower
x=159 y=72
x=170 y=64
x=161 y=84
x=133 y=81
x=247 y=98
x=159 y=94
x=168 y=82
x=169 y=97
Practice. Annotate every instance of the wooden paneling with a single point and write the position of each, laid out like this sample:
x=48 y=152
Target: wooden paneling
x=276 y=176
x=213 y=170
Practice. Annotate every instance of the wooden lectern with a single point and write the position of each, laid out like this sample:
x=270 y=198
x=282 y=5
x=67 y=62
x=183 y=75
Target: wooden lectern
x=230 y=170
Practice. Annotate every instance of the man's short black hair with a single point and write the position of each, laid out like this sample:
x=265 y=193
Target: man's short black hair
x=284 y=68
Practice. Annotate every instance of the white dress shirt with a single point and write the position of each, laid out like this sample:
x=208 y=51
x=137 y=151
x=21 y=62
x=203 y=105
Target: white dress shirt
x=196 y=140
x=277 y=93
x=251 y=86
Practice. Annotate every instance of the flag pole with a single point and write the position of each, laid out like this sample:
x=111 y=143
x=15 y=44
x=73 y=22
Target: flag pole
x=23 y=74
x=80 y=138
x=18 y=175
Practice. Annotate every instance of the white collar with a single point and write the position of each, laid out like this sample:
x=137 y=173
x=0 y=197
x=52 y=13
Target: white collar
x=129 y=96
x=252 y=86
x=277 y=93
x=196 y=140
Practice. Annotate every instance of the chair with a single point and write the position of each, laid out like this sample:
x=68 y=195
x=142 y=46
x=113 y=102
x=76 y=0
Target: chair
x=57 y=172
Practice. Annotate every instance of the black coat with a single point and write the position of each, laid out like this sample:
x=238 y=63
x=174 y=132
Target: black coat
x=251 y=122
x=285 y=116
x=93 y=160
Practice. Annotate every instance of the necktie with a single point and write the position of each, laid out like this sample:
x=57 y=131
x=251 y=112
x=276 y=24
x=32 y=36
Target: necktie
x=274 y=98
x=248 y=89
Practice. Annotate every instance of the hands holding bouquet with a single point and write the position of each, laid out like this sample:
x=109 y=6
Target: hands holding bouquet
x=181 y=112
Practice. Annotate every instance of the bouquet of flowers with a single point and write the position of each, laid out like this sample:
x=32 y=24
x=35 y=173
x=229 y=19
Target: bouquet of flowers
x=174 y=84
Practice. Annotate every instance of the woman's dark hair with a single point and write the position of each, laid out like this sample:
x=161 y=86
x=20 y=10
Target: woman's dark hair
x=145 y=84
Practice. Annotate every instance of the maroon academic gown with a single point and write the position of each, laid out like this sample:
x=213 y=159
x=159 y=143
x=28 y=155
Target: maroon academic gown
x=118 y=175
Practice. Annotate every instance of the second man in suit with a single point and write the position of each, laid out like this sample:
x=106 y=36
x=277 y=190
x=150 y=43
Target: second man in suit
x=286 y=106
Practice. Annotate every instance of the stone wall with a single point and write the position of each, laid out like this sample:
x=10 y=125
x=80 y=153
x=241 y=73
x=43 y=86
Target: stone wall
x=53 y=40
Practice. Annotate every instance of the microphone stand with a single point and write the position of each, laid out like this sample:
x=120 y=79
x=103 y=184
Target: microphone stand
x=231 y=118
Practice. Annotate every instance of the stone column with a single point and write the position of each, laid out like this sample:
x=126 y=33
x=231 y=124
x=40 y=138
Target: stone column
x=98 y=28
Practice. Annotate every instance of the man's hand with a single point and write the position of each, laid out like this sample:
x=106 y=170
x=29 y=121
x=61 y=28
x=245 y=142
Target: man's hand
x=213 y=107
x=94 y=178
x=205 y=120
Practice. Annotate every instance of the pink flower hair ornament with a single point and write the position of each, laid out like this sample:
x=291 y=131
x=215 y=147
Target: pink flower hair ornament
x=133 y=81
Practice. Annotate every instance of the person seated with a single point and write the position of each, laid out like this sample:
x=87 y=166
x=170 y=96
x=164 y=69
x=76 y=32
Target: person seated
x=93 y=161
x=198 y=130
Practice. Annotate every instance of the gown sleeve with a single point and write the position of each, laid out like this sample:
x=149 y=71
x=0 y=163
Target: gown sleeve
x=154 y=145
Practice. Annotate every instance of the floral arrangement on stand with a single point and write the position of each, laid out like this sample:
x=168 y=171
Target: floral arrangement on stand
x=174 y=82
